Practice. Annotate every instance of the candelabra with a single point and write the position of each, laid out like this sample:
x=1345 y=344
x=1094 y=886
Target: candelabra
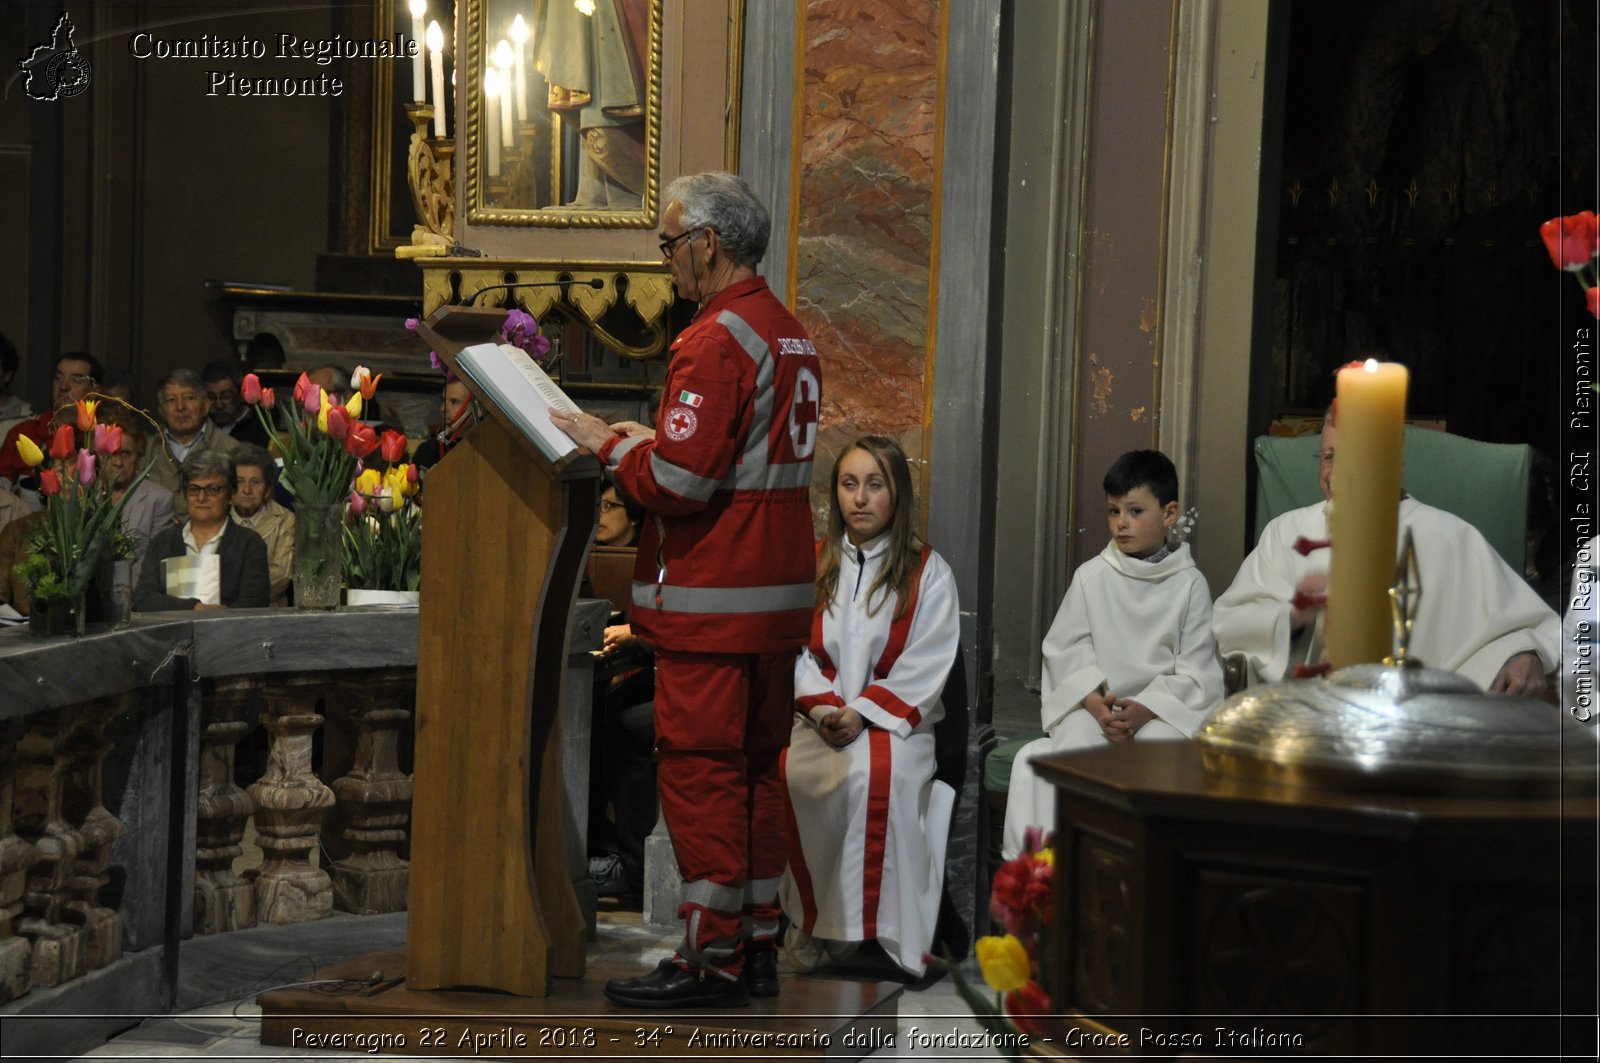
x=433 y=188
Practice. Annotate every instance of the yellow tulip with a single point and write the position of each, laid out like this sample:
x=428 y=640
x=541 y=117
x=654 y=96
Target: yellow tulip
x=322 y=415
x=1004 y=961
x=367 y=483
x=1047 y=857
x=31 y=454
x=395 y=481
x=354 y=406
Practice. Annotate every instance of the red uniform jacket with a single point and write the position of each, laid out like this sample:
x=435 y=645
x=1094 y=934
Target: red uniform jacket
x=726 y=563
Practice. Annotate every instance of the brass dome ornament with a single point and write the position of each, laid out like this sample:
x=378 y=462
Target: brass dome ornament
x=1399 y=727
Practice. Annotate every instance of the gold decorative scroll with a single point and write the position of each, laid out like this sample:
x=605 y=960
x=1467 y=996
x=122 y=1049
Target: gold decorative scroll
x=648 y=293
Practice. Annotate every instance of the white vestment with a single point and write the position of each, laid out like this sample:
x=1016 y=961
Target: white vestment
x=870 y=822
x=1474 y=613
x=1141 y=628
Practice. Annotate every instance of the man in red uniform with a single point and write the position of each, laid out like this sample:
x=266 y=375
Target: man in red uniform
x=75 y=377
x=723 y=587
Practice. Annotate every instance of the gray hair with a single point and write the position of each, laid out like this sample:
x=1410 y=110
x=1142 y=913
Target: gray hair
x=183 y=378
x=258 y=457
x=722 y=201
x=210 y=463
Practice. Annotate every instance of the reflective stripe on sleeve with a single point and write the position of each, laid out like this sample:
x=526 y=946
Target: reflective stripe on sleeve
x=621 y=449
x=713 y=600
x=680 y=481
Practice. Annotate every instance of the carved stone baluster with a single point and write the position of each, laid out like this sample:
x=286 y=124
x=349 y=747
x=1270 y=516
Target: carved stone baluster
x=55 y=931
x=16 y=856
x=222 y=900
x=375 y=797
x=84 y=803
x=290 y=803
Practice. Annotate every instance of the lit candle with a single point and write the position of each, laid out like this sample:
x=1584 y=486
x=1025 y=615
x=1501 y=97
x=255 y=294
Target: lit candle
x=491 y=93
x=1365 y=512
x=519 y=33
x=419 y=8
x=503 y=60
x=441 y=127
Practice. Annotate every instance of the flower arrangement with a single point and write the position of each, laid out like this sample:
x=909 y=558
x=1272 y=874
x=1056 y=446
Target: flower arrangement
x=383 y=526
x=520 y=329
x=321 y=442
x=82 y=524
x=1021 y=901
x=1574 y=244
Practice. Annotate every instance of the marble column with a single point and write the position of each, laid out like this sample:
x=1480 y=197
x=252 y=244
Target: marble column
x=222 y=899
x=55 y=931
x=375 y=796
x=84 y=801
x=16 y=857
x=290 y=803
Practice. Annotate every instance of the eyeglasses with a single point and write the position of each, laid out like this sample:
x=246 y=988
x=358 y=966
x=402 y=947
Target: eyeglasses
x=669 y=244
x=1325 y=457
x=210 y=490
x=73 y=378
x=608 y=506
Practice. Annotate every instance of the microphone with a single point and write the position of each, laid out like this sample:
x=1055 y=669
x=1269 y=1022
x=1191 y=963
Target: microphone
x=594 y=282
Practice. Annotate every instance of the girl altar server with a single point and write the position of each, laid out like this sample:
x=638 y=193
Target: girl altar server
x=868 y=821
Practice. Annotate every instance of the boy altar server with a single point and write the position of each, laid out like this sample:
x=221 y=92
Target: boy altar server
x=1130 y=654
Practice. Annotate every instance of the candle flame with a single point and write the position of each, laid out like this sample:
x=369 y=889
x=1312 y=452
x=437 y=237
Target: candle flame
x=519 y=30
x=435 y=38
x=1370 y=365
x=419 y=8
x=502 y=54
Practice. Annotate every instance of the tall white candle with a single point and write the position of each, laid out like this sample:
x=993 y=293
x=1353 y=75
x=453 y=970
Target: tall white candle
x=519 y=34
x=419 y=8
x=441 y=126
x=491 y=94
x=503 y=60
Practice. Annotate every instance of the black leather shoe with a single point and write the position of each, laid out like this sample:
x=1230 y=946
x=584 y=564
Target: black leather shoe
x=671 y=986
x=761 y=971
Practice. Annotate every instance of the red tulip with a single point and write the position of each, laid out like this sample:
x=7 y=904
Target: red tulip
x=302 y=386
x=414 y=475
x=1029 y=1007
x=393 y=444
x=250 y=389
x=1592 y=298
x=63 y=443
x=49 y=483
x=86 y=468
x=1571 y=240
x=269 y=398
x=361 y=441
x=338 y=422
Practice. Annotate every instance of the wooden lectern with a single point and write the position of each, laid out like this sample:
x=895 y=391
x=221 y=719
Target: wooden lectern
x=491 y=897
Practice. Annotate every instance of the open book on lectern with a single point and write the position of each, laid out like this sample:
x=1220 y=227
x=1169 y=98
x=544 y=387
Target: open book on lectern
x=523 y=390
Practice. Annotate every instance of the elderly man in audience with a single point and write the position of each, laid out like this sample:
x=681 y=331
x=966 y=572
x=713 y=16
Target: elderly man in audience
x=75 y=377
x=256 y=509
x=12 y=407
x=148 y=509
x=1476 y=616
x=229 y=413
x=187 y=431
x=209 y=562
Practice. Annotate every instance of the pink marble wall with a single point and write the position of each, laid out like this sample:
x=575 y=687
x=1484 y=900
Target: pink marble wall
x=866 y=183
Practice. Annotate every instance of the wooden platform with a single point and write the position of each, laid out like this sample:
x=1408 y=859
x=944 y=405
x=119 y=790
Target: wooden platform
x=812 y=1018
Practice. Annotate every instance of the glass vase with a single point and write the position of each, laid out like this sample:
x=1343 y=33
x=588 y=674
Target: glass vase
x=53 y=617
x=318 y=555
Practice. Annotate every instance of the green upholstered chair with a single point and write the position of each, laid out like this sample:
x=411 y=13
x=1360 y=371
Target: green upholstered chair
x=1485 y=484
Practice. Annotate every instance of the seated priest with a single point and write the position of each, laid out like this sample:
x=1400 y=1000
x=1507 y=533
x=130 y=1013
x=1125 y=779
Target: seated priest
x=208 y=562
x=1476 y=617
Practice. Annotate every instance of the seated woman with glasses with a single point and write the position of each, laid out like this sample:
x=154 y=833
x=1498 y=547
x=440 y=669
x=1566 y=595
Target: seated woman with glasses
x=208 y=562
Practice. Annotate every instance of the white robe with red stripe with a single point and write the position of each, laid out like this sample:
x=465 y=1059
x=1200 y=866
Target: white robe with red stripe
x=869 y=822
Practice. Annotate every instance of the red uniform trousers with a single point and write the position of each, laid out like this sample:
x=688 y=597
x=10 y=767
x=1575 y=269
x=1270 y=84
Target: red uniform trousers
x=722 y=721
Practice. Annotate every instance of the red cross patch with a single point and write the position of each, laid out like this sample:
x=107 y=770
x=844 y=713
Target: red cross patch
x=681 y=423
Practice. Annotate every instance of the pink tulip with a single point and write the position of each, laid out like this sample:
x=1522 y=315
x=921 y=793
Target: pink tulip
x=338 y=422
x=250 y=389
x=269 y=398
x=86 y=468
x=358 y=504
x=102 y=440
x=311 y=400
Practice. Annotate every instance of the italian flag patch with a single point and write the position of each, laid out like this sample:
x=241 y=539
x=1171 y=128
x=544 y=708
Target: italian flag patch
x=689 y=398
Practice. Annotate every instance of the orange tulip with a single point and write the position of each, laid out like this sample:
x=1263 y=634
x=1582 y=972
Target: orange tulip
x=86 y=408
